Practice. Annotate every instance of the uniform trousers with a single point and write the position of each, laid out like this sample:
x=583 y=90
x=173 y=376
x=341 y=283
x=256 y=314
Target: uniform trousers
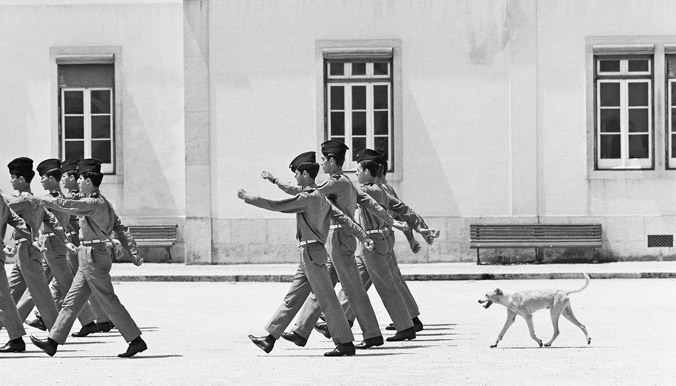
x=93 y=278
x=56 y=267
x=27 y=273
x=312 y=276
x=342 y=267
x=400 y=284
x=379 y=268
x=9 y=315
x=99 y=314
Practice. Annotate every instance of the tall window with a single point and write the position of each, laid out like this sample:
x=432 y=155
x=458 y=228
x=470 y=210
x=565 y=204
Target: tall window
x=671 y=108
x=86 y=114
x=624 y=112
x=358 y=100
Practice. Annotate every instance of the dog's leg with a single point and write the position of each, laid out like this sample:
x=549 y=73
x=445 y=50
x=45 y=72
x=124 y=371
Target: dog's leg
x=555 y=314
x=510 y=320
x=568 y=314
x=529 y=321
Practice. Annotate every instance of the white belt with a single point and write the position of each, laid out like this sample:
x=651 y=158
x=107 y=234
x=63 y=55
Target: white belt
x=49 y=234
x=92 y=242
x=306 y=242
x=71 y=233
x=372 y=231
x=21 y=240
x=335 y=226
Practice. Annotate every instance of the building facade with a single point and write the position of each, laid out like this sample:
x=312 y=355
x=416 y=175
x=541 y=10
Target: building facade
x=503 y=111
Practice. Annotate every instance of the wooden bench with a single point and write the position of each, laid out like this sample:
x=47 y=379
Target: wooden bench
x=154 y=236
x=533 y=236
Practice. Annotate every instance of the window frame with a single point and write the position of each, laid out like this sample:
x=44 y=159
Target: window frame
x=624 y=78
x=87 y=138
x=344 y=48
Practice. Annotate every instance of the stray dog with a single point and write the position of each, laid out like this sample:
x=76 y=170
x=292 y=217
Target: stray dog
x=524 y=303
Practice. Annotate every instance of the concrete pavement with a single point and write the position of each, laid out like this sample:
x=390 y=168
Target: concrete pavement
x=412 y=272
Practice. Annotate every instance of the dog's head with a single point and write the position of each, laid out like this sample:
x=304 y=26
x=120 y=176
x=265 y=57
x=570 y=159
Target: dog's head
x=491 y=297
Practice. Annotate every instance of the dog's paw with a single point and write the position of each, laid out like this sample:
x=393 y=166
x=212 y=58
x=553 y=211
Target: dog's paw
x=547 y=345
x=494 y=345
x=588 y=341
x=539 y=342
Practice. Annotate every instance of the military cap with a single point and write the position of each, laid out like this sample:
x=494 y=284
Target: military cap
x=369 y=155
x=301 y=159
x=69 y=165
x=48 y=165
x=21 y=165
x=89 y=165
x=334 y=147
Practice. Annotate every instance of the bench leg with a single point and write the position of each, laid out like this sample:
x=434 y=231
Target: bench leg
x=478 y=261
x=169 y=252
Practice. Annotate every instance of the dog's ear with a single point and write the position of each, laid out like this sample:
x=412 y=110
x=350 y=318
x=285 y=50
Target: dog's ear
x=498 y=291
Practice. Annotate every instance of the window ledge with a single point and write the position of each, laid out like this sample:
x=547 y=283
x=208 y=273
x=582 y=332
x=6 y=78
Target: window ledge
x=629 y=174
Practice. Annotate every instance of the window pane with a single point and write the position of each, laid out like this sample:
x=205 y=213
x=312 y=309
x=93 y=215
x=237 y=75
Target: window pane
x=74 y=127
x=638 y=120
x=337 y=123
x=641 y=65
x=671 y=66
x=673 y=120
x=358 y=144
x=101 y=126
x=382 y=144
x=380 y=120
x=359 y=123
x=638 y=146
x=100 y=101
x=610 y=94
x=73 y=102
x=673 y=145
x=359 y=69
x=609 y=65
x=336 y=69
x=610 y=120
x=673 y=94
x=610 y=146
x=380 y=99
x=101 y=150
x=337 y=98
x=74 y=150
x=359 y=97
x=381 y=69
x=638 y=94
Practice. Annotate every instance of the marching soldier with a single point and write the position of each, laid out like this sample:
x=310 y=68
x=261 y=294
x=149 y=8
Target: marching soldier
x=313 y=213
x=97 y=221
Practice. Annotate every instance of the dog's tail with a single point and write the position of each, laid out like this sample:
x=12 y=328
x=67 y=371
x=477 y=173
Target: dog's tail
x=586 y=283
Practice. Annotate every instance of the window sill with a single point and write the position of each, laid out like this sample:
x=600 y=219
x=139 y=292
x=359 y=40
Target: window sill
x=629 y=174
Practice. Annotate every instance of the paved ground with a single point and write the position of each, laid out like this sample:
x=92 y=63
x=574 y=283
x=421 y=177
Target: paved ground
x=197 y=334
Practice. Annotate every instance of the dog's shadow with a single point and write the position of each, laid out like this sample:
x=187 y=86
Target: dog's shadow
x=541 y=348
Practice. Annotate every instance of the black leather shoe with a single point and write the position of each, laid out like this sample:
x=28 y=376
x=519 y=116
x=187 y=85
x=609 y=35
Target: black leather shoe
x=14 y=345
x=136 y=346
x=343 y=349
x=37 y=323
x=295 y=338
x=265 y=343
x=391 y=327
x=323 y=328
x=406 y=334
x=86 y=330
x=47 y=345
x=370 y=342
x=105 y=326
x=417 y=324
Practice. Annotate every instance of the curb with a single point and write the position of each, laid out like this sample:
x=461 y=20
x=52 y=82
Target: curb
x=408 y=277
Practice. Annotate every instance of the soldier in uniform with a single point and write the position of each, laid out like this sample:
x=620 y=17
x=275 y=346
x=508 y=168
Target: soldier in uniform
x=341 y=245
x=56 y=264
x=97 y=221
x=27 y=272
x=10 y=315
x=313 y=213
